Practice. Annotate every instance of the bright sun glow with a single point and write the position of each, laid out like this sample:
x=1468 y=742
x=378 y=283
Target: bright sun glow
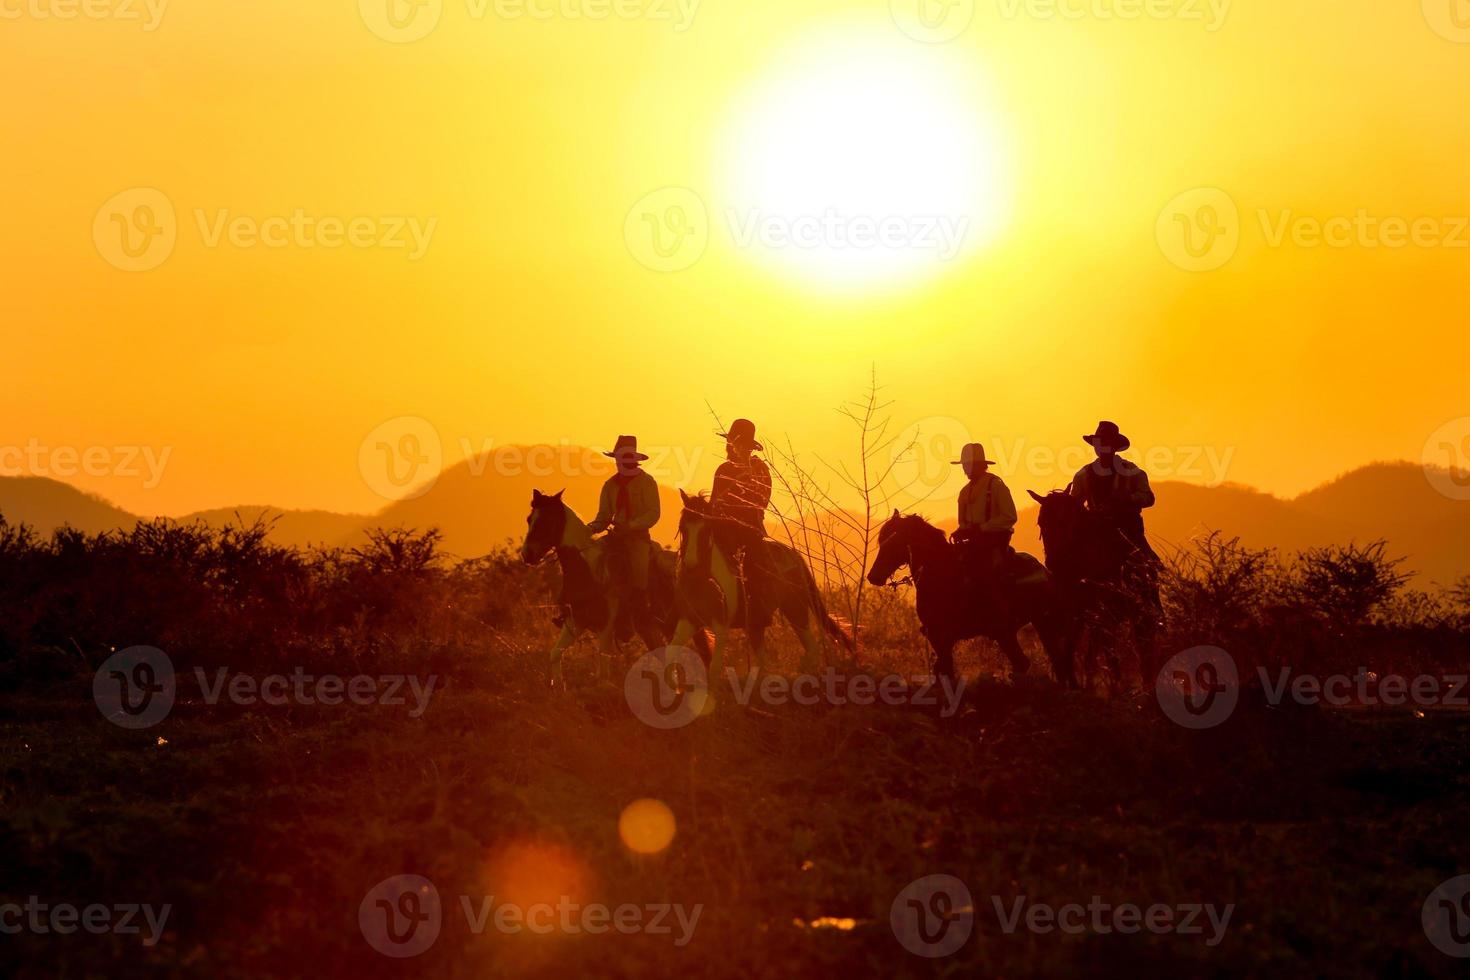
x=864 y=164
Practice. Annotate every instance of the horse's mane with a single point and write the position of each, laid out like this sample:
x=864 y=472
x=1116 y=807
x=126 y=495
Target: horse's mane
x=917 y=525
x=700 y=506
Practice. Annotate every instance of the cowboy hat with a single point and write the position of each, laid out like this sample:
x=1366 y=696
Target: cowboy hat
x=741 y=431
x=972 y=453
x=626 y=446
x=1110 y=436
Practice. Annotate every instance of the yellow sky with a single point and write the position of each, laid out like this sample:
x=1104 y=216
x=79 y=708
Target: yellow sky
x=518 y=139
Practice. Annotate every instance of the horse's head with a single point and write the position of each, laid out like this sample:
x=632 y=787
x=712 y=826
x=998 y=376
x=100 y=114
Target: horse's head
x=693 y=519
x=1061 y=514
x=1069 y=534
x=897 y=539
x=545 y=526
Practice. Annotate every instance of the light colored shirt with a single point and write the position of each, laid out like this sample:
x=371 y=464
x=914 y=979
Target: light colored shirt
x=628 y=504
x=986 y=504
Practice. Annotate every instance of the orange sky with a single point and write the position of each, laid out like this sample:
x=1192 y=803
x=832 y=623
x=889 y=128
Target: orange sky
x=520 y=140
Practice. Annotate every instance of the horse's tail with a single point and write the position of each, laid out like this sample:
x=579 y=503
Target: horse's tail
x=834 y=628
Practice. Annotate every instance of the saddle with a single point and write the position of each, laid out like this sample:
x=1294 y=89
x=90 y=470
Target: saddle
x=1013 y=569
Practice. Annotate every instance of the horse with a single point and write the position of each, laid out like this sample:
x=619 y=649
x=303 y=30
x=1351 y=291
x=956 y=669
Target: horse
x=949 y=608
x=712 y=595
x=590 y=599
x=1108 y=584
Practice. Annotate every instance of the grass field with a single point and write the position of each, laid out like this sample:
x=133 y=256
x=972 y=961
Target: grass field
x=797 y=826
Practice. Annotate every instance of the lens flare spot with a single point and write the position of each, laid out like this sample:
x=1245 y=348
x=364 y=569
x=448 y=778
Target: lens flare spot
x=527 y=873
x=647 y=826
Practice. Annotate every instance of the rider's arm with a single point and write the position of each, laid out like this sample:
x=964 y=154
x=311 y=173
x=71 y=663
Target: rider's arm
x=1140 y=494
x=605 y=505
x=720 y=488
x=1078 y=486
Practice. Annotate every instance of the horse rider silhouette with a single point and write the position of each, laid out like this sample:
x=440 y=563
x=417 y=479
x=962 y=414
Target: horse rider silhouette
x=987 y=516
x=629 y=507
x=1114 y=488
x=740 y=494
x=742 y=487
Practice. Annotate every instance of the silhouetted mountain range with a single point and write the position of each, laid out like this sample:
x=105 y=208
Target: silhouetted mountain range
x=479 y=507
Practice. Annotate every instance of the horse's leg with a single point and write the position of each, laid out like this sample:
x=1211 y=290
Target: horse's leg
x=943 y=657
x=1005 y=637
x=717 y=660
x=799 y=617
x=607 y=642
x=1146 y=638
x=811 y=646
x=1046 y=615
x=683 y=633
x=755 y=636
x=567 y=638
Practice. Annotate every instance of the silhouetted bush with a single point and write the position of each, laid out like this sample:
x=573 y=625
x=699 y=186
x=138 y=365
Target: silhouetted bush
x=228 y=596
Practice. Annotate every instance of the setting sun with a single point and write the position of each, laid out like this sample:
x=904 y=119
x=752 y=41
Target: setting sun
x=858 y=163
